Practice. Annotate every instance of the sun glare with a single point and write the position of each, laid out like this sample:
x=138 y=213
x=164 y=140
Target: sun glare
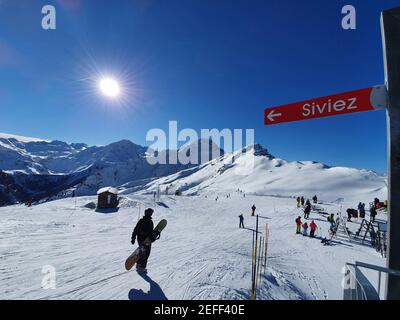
x=109 y=87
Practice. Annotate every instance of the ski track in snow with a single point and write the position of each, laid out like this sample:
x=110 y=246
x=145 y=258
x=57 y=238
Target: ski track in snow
x=201 y=254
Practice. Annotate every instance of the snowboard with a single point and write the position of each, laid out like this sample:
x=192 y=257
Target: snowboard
x=138 y=253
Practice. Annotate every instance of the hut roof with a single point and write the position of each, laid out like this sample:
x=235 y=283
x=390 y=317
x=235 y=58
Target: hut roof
x=108 y=189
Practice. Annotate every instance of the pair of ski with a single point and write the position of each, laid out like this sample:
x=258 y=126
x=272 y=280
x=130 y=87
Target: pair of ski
x=141 y=250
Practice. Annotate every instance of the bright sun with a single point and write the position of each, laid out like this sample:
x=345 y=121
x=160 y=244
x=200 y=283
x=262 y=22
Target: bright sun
x=109 y=87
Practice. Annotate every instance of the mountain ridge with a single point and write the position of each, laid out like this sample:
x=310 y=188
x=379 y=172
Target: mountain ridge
x=43 y=169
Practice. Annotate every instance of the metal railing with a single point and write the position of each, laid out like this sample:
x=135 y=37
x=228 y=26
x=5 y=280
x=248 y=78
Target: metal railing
x=357 y=286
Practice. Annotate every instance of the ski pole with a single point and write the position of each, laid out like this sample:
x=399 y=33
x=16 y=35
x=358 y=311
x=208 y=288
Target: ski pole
x=260 y=260
x=252 y=268
x=255 y=256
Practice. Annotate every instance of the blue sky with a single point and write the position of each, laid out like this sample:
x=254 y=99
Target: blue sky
x=206 y=64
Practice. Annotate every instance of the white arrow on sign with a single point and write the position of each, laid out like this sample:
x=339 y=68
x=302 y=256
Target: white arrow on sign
x=273 y=115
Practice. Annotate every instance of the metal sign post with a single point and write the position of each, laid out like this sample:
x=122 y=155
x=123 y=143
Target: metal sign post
x=390 y=25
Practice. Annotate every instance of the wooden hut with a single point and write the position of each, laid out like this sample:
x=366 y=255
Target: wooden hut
x=107 y=198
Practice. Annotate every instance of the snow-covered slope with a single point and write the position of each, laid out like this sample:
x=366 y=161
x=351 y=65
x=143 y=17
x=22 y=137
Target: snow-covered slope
x=202 y=254
x=255 y=171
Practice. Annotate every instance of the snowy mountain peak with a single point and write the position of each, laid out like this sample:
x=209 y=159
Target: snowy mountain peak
x=259 y=150
x=207 y=149
x=8 y=136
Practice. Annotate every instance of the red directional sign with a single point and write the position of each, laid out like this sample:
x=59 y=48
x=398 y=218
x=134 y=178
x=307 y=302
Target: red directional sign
x=354 y=101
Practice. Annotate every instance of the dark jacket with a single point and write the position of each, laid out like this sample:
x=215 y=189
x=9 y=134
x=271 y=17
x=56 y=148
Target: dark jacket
x=144 y=229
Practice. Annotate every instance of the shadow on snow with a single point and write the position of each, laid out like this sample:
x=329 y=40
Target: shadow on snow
x=155 y=292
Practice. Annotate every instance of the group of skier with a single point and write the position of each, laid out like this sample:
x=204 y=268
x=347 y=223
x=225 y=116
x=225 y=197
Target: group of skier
x=360 y=211
x=301 y=201
x=302 y=228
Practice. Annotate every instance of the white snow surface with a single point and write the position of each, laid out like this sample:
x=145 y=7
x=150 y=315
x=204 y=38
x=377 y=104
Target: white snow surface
x=202 y=254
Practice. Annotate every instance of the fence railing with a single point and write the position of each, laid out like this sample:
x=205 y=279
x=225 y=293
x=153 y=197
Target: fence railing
x=357 y=286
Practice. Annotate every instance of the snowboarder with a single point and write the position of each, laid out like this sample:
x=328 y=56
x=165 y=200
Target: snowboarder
x=298 y=225
x=305 y=229
x=253 y=210
x=307 y=210
x=241 y=221
x=313 y=228
x=298 y=202
x=315 y=199
x=302 y=201
x=144 y=229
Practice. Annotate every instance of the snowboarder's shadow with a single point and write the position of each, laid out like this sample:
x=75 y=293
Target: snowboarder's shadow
x=155 y=292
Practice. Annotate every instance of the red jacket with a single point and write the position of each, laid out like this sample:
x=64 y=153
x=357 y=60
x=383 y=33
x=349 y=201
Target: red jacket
x=298 y=222
x=313 y=226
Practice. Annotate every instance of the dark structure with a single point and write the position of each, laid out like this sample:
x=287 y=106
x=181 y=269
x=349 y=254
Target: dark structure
x=107 y=198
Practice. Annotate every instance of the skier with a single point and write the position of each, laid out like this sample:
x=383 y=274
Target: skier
x=313 y=228
x=307 y=210
x=144 y=229
x=315 y=199
x=377 y=203
x=298 y=225
x=372 y=213
x=333 y=228
x=302 y=201
x=305 y=229
x=331 y=218
x=241 y=221
x=298 y=202
x=362 y=210
x=253 y=210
